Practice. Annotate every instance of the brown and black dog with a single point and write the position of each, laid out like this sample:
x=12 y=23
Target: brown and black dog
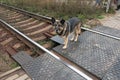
x=64 y=28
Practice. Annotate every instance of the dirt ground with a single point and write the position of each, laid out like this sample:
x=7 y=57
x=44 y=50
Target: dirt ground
x=6 y=63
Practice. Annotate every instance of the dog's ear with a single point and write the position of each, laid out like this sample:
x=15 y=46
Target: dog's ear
x=62 y=21
x=53 y=20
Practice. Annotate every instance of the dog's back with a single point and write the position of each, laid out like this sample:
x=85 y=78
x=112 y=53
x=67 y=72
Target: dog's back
x=73 y=22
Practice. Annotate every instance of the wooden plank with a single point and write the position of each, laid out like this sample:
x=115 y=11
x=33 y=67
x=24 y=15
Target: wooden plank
x=10 y=71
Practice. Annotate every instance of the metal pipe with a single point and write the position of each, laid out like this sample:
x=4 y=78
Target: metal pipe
x=81 y=71
x=107 y=35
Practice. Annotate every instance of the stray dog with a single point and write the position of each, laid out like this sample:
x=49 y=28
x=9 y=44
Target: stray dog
x=64 y=28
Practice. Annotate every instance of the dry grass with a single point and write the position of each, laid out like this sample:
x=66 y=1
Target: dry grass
x=59 y=8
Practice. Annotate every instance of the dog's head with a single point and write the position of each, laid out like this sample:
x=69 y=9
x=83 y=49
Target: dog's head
x=58 y=25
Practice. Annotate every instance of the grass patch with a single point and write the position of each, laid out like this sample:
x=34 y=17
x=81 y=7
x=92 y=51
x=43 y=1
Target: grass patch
x=14 y=65
x=6 y=62
x=100 y=17
x=43 y=42
x=83 y=9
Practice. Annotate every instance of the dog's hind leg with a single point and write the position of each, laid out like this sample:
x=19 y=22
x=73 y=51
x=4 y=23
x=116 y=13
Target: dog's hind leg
x=79 y=28
x=76 y=34
x=73 y=36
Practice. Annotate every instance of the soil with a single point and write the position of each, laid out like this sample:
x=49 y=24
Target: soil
x=6 y=63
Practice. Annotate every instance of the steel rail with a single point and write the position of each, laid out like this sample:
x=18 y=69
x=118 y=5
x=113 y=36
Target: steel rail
x=101 y=33
x=81 y=71
x=37 y=16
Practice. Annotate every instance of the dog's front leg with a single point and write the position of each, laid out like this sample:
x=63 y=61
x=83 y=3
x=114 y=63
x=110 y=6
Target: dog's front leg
x=66 y=42
x=76 y=38
x=76 y=35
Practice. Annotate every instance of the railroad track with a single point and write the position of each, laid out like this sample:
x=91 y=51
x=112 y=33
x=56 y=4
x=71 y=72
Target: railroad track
x=29 y=28
x=11 y=43
x=36 y=28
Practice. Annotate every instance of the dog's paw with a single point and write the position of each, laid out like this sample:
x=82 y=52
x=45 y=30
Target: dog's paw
x=71 y=39
x=79 y=33
x=64 y=47
x=76 y=40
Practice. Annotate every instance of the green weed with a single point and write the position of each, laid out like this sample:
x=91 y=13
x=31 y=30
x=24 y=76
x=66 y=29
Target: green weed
x=58 y=9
